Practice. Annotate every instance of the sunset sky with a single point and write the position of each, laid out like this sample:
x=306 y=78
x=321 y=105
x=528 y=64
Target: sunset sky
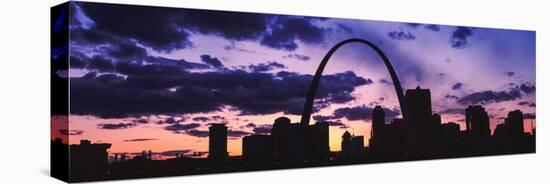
x=147 y=78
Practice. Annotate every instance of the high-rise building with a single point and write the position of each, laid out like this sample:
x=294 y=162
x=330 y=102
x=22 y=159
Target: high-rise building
x=514 y=123
x=378 y=133
x=477 y=122
x=418 y=105
x=217 y=144
x=317 y=142
x=450 y=137
x=421 y=131
x=346 y=140
x=281 y=139
x=352 y=146
x=378 y=121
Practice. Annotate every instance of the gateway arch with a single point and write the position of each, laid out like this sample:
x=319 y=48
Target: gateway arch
x=308 y=106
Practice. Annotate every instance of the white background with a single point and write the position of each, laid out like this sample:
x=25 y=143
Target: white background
x=24 y=91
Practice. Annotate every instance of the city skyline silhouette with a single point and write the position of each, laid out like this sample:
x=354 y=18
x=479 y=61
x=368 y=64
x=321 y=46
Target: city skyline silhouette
x=200 y=91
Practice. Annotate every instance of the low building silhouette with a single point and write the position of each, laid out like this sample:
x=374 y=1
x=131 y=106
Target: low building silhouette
x=510 y=136
x=87 y=159
x=258 y=149
x=352 y=146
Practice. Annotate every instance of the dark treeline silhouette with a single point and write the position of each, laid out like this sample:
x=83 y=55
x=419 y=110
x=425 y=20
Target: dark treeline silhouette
x=420 y=135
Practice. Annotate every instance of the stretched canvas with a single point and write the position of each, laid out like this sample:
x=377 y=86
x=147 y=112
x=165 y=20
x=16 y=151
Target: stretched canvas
x=144 y=91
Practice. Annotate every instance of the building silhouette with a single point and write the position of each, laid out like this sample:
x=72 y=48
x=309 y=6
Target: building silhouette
x=477 y=129
x=378 y=129
x=288 y=143
x=217 y=141
x=422 y=125
x=258 y=149
x=281 y=139
x=514 y=123
x=450 y=137
x=510 y=135
x=88 y=159
x=477 y=122
x=352 y=146
x=317 y=142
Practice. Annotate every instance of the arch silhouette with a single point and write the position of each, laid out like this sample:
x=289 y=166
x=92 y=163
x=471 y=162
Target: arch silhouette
x=308 y=106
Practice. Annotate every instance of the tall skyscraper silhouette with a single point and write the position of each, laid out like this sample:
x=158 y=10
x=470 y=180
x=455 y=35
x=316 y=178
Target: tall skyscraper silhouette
x=376 y=141
x=281 y=139
x=478 y=130
x=217 y=144
x=477 y=122
x=378 y=121
x=318 y=141
x=420 y=127
x=514 y=123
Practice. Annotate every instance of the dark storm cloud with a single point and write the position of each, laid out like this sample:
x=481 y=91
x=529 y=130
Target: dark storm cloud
x=353 y=113
x=338 y=98
x=212 y=61
x=401 y=35
x=265 y=67
x=101 y=64
x=298 y=57
x=237 y=133
x=526 y=88
x=283 y=32
x=77 y=63
x=453 y=111
x=509 y=74
x=178 y=128
x=197 y=133
x=141 y=121
x=151 y=26
x=71 y=132
x=361 y=113
x=139 y=140
x=459 y=37
x=167 y=29
x=529 y=116
x=345 y=28
x=201 y=118
x=287 y=30
x=262 y=129
x=230 y=25
x=115 y=126
x=432 y=27
x=447 y=96
x=127 y=50
x=457 y=86
x=170 y=120
x=337 y=123
x=413 y=25
x=526 y=103
x=385 y=81
x=321 y=118
x=489 y=96
x=145 y=90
